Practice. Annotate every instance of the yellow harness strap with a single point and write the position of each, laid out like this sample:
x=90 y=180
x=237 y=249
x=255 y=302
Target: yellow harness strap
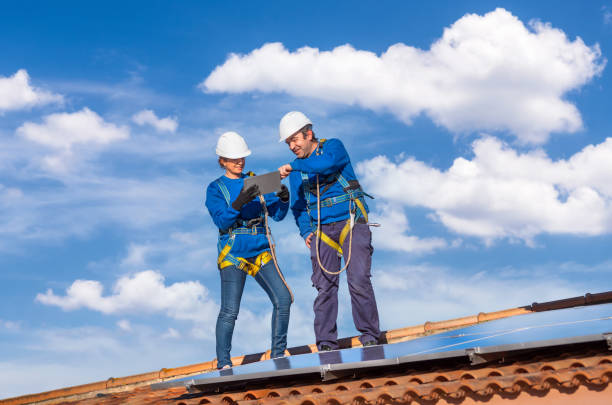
x=250 y=268
x=337 y=246
x=225 y=259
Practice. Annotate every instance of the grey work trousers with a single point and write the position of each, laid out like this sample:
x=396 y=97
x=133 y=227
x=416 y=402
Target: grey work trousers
x=363 y=302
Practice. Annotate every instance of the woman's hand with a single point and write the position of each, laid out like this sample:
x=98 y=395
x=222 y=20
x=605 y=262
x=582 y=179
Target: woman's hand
x=283 y=194
x=245 y=196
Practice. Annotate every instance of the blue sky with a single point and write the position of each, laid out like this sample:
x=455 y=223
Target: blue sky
x=482 y=129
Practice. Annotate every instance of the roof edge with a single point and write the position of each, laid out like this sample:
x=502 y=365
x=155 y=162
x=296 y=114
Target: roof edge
x=391 y=336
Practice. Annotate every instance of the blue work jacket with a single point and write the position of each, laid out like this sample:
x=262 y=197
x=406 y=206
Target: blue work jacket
x=329 y=158
x=224 y=216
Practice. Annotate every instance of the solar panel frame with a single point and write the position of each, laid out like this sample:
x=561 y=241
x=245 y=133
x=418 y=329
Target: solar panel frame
x=526 y=332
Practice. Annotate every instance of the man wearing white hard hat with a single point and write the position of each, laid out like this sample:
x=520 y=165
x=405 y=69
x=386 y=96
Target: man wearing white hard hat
x=244 y=247
x=332 y=216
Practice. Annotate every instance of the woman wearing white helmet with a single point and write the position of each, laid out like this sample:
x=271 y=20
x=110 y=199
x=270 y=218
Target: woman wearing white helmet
x=243 y=246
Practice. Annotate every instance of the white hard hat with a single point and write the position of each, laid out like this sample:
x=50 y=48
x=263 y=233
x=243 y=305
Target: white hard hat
x=291 y=123
x=232 y=146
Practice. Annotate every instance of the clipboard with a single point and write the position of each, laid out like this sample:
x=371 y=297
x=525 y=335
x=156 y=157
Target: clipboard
x=267 y=183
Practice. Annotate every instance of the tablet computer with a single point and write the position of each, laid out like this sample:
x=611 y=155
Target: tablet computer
x=267 y=183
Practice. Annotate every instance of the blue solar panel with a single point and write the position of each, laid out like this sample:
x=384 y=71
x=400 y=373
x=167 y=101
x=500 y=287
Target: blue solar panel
x=535 y=329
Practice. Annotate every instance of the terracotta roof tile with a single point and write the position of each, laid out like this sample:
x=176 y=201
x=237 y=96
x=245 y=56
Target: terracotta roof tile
x=532 y=374
x=535 y=379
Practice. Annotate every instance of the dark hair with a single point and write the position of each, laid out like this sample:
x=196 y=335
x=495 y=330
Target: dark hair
x=220 y=165
x=308 y=127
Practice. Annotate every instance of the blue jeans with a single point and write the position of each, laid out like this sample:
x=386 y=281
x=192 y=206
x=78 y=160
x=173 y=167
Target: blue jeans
x=232 y=285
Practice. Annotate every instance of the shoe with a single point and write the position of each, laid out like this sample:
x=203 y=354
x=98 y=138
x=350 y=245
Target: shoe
x=325 y=348
x=370 y=343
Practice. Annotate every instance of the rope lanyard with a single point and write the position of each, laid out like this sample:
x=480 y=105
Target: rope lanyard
x=272 y=245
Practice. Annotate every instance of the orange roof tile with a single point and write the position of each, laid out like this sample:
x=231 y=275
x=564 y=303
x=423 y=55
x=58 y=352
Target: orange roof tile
x=424 y=387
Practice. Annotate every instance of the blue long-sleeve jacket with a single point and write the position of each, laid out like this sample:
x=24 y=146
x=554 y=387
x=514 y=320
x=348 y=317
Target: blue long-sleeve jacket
x=329 y=158
x=224 y=216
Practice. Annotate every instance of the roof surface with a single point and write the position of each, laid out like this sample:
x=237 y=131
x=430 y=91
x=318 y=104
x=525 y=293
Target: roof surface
x=561 y=372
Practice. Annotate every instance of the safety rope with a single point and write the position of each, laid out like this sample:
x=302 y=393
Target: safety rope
x=351 y=223
x=271 y=243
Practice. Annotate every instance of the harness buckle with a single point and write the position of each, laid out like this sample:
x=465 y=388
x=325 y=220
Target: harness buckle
x=252 y=222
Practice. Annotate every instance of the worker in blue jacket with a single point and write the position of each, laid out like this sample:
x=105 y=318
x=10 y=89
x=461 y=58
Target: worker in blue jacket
x=332 y=216
x=244 y=246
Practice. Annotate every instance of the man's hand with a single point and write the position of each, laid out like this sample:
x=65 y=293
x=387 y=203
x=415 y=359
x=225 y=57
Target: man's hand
x=285 y=170
x=308 y=240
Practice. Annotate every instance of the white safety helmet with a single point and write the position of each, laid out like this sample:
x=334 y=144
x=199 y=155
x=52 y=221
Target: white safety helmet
x=232 y=146
x=291 y=123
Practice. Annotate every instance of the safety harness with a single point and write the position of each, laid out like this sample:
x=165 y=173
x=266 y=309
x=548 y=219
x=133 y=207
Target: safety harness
x=241 y=227
x=357 y=209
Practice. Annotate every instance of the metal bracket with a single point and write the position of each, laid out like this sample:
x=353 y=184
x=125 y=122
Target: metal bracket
x=479 y=358
x=608 y=337
x=474 y=356
x=191 y=387
x=327 y=373
x=324 y=370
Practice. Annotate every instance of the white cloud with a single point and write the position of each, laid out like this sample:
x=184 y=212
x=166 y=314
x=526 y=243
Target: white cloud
x=63 y=130
x=16 y=93
x=82 y=202
x=392 y=233
x=136 y=255
x=607 y=15
x=148 y=117
x=53 y=357
x=291 y=242
x=411 y=295
x=171 y=333
x=143 y=292
x=10 y=325
x=184 y=253
x=503 y=193
x=487 y=72
x=124 y=325
x=9 y=195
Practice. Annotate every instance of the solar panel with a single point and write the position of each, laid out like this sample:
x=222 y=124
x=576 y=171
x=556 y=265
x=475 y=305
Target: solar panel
x=551 y=328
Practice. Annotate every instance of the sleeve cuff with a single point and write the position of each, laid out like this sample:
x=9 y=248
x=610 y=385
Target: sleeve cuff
x=296 y=165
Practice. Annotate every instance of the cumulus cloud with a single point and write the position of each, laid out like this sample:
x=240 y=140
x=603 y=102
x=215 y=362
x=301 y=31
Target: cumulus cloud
x=143 y=292
x=503 y=193
x=62 y=132
x=392 y=234
x=487 y=72
x=16 y=93
x=410 y=295
x=148 y=117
